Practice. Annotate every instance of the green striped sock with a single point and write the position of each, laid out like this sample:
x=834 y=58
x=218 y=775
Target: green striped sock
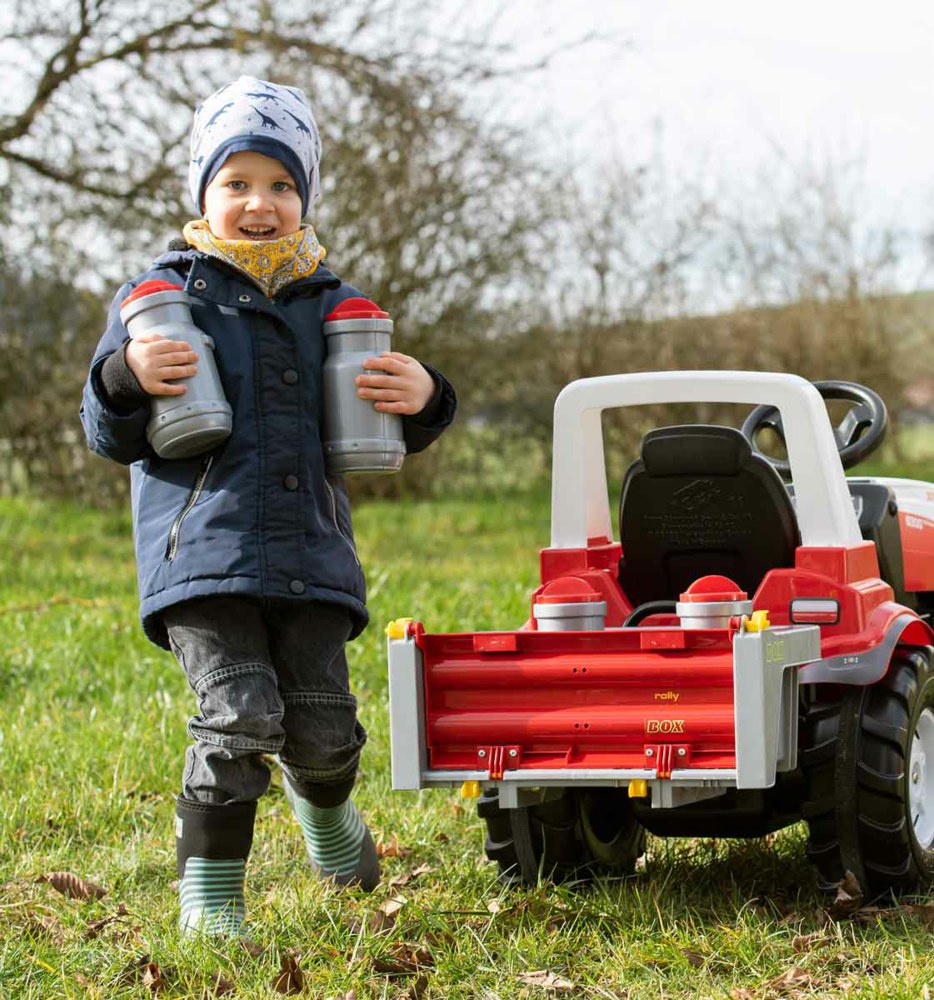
x=333 y=835
x=211 y=894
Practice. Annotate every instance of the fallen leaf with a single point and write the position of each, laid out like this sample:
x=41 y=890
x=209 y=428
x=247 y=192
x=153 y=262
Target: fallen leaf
x=153 y=979
x=849 y=898
x=795 y=977
x=404 y=958
x=253 y=949
x=385 y=916
x=391 y=849
x=73 y=887
x=131 y=972
x=94 y=927
x=805 y=942
x=546 y=980
x=289 y=979
x=405 y=877
x=219 y=986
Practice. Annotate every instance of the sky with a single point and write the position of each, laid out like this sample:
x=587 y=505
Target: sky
x=722 y=85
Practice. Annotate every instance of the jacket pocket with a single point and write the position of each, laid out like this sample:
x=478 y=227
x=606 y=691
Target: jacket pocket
x=175 y=531
x=337 y=524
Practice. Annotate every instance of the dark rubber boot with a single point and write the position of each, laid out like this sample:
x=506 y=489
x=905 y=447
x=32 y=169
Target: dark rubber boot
x=213 y=843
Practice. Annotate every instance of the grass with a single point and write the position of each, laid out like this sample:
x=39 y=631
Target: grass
x=92 y=734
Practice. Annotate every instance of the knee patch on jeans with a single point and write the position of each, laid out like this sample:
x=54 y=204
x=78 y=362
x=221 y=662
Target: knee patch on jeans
x=239 y=708
x=323 y=738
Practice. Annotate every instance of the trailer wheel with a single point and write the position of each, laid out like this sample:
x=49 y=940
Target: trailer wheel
x=873 y=813
x=574 y=835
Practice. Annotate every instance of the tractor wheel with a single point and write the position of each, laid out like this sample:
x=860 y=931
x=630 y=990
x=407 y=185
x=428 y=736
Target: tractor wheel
x=574 y=835
x=870 y=771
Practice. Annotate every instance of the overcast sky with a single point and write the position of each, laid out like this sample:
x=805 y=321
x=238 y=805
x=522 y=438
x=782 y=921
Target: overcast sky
x=727 y=82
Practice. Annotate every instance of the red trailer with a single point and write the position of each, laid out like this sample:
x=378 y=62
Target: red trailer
x=745 y=654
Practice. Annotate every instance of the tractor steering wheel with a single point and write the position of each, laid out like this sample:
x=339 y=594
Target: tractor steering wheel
x=857 y=435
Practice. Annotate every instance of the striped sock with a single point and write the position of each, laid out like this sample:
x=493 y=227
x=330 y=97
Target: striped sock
x=333 y=835
x=211 y=892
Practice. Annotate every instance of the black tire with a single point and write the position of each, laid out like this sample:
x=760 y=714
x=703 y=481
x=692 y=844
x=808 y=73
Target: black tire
x=858 y=762
x=572 y=835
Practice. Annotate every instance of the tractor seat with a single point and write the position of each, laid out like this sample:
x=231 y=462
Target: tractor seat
x=698 y=502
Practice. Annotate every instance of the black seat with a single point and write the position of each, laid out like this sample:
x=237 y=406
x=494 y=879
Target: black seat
x=699 y=502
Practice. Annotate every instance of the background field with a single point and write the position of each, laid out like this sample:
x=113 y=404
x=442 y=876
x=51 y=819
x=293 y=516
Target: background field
x=92 y=732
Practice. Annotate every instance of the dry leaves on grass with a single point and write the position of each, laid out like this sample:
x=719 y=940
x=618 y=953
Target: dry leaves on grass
x=153 y=978
x=219 y=986
x=95 y=927
x=794 y=983
x=143 y=970
x=405 y=877
x=72 y=886
x=403 y=959
x=385 y=916
x=546 y=980
x=848 y=899
x=289 y=980
x=391 y=848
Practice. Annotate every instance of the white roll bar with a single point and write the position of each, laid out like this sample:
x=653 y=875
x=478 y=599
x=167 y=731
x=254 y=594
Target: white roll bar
x=579 y=501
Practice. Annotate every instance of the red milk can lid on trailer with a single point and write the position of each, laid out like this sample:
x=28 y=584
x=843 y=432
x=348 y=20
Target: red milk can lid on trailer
x=713 y=588
x=356 y=308
x=567 y=590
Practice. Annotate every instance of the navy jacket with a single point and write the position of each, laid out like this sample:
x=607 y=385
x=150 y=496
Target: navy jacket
x=257 y=515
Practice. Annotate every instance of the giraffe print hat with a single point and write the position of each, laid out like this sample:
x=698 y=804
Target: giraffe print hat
x=267 y=118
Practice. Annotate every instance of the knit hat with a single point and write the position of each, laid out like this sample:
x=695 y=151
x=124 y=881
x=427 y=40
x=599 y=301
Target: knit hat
x=262 y=117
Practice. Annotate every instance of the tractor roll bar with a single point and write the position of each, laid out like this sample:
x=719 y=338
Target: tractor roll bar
x=579 y=502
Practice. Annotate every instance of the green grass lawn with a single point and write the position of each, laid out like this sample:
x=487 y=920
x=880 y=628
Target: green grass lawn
x=92 y=734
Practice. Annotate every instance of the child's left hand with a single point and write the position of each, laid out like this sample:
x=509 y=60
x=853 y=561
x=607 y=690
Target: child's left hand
x=403 y=385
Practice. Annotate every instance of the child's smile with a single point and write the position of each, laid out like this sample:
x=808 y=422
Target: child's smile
x=252 y=197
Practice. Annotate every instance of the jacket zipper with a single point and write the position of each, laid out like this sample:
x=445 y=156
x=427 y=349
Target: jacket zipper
x=193 y=497
x=337 y=525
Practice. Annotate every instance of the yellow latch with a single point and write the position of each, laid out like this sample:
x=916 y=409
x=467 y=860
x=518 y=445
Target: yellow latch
x=470 y=790
x=396 y=628
x=757 y=621
x=638 y=788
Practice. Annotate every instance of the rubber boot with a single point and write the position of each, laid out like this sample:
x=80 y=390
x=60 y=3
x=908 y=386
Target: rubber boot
x=213 y=843
x=338 y=841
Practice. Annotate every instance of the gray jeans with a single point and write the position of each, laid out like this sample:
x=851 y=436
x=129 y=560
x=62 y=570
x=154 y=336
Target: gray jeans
x=271 y=678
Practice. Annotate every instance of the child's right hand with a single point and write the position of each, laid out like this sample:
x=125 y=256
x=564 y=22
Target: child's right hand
x=154 y=360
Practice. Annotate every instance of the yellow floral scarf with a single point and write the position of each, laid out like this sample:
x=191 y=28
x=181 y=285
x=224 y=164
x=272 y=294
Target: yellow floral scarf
x=270 y=264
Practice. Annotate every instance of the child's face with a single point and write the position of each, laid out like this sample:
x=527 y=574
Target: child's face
x=252 y=197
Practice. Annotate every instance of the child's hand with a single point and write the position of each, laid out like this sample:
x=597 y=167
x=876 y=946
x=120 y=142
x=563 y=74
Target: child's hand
x=154 y=360
x=405 y=386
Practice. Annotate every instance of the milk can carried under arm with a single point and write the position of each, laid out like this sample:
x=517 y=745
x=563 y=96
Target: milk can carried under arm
x=201 y=418
x=356 y=436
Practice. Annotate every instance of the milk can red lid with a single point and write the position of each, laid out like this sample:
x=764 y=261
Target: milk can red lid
x=567 y=590
x=713 y=588
x=150 y=288
x=356 y=308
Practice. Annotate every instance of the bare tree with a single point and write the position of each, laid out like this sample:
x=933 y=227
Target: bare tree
x=425 y=207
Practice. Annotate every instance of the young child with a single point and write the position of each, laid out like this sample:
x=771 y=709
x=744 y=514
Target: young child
x=245 y=556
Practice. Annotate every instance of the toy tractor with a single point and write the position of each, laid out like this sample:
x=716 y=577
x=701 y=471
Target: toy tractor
x=748 y=654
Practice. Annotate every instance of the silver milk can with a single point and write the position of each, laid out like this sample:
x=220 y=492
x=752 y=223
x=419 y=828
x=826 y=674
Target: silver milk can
x=180 y=426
